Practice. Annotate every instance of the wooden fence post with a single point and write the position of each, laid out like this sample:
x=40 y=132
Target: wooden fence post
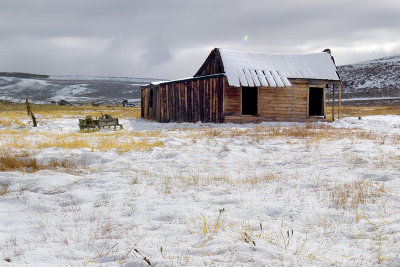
x=340 y=100
x=333 y=103
x=28 y=110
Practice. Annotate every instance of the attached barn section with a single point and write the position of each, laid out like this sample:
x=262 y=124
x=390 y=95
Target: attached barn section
x=236 y=86
x=189 y=100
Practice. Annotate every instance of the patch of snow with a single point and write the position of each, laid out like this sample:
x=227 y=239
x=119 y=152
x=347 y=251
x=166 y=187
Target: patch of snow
x=367 y=98
x=70 y=92
x=23 y=84
x=196 y=200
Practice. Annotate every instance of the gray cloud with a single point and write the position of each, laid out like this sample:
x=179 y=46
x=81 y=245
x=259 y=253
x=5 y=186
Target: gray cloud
x=158 y=50
x=170 y=39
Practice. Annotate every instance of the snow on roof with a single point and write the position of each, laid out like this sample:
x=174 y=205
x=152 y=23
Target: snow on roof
x=183 y=79
x=263 y=69
x=157 y=82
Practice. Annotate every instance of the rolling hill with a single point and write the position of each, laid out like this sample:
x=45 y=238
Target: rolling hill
x=74 y=89
x=371 y=82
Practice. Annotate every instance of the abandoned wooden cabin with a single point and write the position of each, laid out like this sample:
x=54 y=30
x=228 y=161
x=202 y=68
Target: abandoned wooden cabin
x=238 y=86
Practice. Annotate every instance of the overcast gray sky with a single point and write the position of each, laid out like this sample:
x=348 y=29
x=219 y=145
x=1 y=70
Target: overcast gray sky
x=170 y=39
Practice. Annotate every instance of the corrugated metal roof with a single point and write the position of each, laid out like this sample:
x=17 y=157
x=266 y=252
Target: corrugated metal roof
x=274 y=70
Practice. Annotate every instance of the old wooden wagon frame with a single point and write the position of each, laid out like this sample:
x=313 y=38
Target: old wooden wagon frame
x=220 y=93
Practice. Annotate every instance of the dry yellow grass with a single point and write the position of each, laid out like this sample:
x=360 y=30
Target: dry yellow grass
x=351 y=195
x=14 y=114
x=8 y=122
x=367 y=111
x=309 y=132
x=122 y=141
x=205 y=179
x=10 y=110
x=3 y=189
x=26 y=162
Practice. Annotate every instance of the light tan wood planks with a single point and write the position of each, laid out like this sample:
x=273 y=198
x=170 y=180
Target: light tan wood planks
x=231 y=100
x=288 y=103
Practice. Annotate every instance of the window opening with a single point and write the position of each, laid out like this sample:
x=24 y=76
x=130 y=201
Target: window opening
x=249 y=100
x=316 y=101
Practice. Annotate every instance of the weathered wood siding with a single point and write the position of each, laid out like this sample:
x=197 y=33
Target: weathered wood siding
x=274 y=104
x=232 y=100
x=212 y=65
x=283 y=104
x=198 y=99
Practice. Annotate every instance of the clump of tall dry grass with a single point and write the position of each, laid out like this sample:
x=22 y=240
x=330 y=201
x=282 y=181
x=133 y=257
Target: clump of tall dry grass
x=204 y=180
x=3 y=189
x=9 y=122
x=26 y=162
x=17 y=161
x=351 y=195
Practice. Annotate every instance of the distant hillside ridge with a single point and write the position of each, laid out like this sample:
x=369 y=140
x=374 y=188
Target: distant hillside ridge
x=23 y=75
x=71 y=88
x=375 y=81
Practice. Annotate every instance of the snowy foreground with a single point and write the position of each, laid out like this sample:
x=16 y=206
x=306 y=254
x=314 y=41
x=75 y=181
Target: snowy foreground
x=213 y=195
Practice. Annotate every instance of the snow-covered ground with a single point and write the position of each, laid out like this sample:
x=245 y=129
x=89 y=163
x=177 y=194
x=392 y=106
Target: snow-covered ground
x=211 y=194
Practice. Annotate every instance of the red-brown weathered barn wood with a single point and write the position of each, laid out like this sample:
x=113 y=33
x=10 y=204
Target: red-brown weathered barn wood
x=189 y=102
x=231 y=100
x=142 y=103
x=201 y=100
x=220 y=86
x=212 y=65
x=161 y=100
x=171 y=102
x=195 y=88
x=206 y=100
x=182 y=103
x=168 y=114
x=176 y=103
x=214 y=100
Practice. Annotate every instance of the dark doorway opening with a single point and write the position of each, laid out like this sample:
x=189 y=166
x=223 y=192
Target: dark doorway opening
x=249 y=100
x=316 y=101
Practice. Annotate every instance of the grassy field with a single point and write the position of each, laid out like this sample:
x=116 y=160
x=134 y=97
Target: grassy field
x=12 y=110
x=368 y=111
x=11 y=113
x=17 y=135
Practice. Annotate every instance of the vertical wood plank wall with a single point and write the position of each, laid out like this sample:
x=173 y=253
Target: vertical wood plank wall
x=185 y=101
